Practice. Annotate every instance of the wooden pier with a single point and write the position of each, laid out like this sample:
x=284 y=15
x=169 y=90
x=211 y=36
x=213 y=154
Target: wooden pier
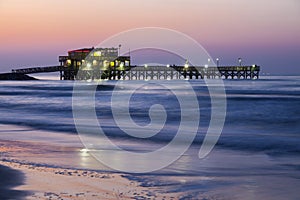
x=150 y=72
x=107 y=64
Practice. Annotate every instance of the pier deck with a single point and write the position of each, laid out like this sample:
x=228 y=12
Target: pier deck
x=150 y=72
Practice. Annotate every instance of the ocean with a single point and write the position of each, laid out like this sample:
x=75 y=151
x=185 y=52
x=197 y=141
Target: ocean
x=256 y=157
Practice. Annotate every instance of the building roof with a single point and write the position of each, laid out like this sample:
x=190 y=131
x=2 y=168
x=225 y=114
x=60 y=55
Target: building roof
x=83 y=50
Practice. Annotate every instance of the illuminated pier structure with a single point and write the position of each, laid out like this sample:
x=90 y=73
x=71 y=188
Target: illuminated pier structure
x=105 y=63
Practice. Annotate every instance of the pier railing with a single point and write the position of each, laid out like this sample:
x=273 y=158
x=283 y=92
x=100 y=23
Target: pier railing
x=150 y=72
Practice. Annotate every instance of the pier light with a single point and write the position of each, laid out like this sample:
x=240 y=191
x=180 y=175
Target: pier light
x=122 y=66
x=208 y=60
x=146 y=65
x=94 y=62
x=69 y=62
x=253 y=66
x=217 y=62
x=206 y=66
x=83 y=61
x=168 y=65
x=105 y=64
x=186 y=66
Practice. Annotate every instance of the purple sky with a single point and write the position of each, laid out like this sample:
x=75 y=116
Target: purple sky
x=265 y=32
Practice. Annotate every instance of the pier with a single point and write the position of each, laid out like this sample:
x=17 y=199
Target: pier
x=150 y=72
x=106 y=64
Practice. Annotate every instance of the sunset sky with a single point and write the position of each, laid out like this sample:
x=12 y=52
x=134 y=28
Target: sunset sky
x=265 y=32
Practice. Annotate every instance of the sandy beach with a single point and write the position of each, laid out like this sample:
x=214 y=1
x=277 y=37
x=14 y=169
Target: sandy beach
x=58 y=183
x=27 y=171
x=38 y=181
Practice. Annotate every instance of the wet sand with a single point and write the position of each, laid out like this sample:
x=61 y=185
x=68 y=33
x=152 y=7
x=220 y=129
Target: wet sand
x=59 y=183
x=30 y=180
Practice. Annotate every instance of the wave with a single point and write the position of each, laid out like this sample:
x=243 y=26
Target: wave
x=262 y=115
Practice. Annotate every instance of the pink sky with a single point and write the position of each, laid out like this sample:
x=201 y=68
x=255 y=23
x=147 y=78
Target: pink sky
x=265 y=32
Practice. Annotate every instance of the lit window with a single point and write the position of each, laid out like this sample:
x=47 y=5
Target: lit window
x=106 y=64
x=97 y=53
x=94 y=62
x=69 y=62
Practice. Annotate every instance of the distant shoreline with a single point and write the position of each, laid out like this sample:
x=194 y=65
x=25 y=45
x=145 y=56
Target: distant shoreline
x=16 y=76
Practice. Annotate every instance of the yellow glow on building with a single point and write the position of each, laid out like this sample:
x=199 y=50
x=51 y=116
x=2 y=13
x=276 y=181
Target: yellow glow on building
x=69 y=62
x=97 y=54
x=106 y=64
x=95 y=62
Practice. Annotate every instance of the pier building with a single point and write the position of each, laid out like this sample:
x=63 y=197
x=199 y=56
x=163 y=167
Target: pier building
x=106 y=63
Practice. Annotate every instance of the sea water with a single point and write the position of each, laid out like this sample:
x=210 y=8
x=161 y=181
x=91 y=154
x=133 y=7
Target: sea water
x=256 y=156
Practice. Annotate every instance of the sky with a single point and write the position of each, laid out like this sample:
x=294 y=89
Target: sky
x=264 y=32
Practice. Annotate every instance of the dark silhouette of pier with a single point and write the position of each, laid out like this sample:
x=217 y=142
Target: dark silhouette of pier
x=106 y=63
x=150 y=72
x=36 y=70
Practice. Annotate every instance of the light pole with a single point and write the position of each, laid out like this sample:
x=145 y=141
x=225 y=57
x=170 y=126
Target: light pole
x=240 y=61
x=120 y=49
x=217 y=62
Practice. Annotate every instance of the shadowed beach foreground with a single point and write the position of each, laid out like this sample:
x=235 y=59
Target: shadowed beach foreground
x=10 y=178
